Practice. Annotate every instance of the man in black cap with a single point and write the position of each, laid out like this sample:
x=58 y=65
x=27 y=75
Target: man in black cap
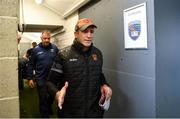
x=76 y=79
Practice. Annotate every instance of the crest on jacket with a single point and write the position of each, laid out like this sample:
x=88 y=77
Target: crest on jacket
x=94 y=57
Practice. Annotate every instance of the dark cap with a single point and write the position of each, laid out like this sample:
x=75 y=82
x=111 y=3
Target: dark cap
x=83 y=24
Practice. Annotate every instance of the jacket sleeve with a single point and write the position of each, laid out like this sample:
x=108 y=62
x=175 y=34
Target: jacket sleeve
x=102 y=77
x=31 y=65
x=54 y=81
x=103 y=80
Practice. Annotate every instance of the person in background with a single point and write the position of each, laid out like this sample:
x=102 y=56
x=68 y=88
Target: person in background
x=26 y=58
x=28 y=53
x=42 y=57
x=76 y=79
x=21 y=67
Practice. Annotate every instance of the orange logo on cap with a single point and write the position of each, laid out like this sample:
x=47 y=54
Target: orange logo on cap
x=83 y=22
x=94 y=56
x=86 y=20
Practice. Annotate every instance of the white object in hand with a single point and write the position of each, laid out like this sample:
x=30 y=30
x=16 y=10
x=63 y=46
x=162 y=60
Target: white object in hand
x=105 y=105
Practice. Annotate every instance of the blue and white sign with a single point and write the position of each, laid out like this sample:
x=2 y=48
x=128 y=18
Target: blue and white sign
x=135 y=27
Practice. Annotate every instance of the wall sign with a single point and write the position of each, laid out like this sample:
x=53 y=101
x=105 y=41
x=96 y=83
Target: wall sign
x=135 y=27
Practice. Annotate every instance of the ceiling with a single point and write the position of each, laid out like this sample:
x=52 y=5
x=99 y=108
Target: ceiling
x=60 y=6
x=64 y=7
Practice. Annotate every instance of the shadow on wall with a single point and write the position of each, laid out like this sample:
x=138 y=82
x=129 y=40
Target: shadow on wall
x=89 y=4
x=119 y=107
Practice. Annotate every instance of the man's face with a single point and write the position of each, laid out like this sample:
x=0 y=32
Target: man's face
x=45 y=38
x=85 y=37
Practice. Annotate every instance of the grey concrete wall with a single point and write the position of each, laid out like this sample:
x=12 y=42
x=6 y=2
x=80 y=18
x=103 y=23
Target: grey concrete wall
x=9 y=97
x=167 y=26
x=131 y=73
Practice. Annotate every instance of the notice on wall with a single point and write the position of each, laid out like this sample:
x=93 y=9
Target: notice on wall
x=135 y=27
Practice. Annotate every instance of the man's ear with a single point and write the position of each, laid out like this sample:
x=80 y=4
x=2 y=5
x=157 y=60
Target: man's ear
x=76 y=33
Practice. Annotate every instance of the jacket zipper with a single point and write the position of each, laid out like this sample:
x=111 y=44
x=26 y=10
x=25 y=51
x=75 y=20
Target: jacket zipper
x=87 y=87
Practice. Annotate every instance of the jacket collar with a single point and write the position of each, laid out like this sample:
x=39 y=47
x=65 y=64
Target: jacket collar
x=79 y=47
x=48 y=47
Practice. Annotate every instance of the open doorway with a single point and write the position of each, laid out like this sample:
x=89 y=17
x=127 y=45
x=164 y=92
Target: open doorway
x=47 y=15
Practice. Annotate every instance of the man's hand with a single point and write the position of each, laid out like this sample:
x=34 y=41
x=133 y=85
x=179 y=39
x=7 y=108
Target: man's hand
x=61 y=94
x=106 y=93
x=31 y=83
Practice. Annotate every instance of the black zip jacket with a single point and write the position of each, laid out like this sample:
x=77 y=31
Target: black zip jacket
x=83 y=71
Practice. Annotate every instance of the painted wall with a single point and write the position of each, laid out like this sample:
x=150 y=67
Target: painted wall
x=167 y=26
x=131 y=73
x=66 y=38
